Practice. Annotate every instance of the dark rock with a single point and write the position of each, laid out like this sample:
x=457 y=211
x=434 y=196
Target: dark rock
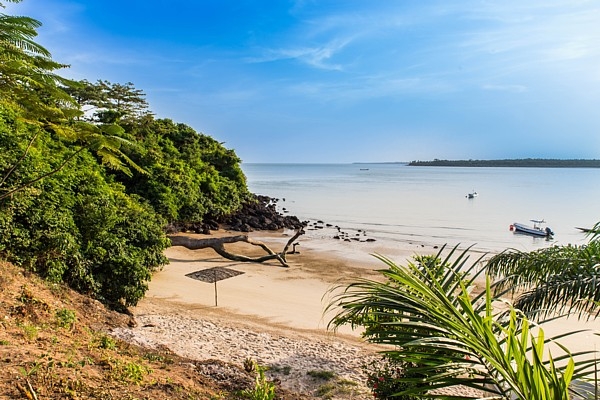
x=260 y=213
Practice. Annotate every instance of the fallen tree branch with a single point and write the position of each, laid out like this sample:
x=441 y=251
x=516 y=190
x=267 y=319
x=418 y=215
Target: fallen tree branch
x=218 y=245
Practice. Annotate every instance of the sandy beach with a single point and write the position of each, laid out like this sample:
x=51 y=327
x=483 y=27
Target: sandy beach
x=268 y=313
x=271 y=314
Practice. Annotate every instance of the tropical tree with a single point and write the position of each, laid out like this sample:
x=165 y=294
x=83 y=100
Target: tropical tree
x=76 y=225
x=38 y=96
x=191 y=177
x=110 y=103
x=17 y=32
x=555 y=279
x=69 y=209
x=446 y=337
x=27 y=72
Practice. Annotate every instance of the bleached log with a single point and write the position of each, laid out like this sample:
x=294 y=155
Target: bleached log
x=218 y=245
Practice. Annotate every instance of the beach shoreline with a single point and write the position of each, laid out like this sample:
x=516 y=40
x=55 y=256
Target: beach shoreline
x=274 y=315
x=268 y=313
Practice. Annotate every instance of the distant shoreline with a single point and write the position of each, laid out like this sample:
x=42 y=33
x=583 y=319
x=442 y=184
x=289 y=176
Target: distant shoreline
x=525 y=162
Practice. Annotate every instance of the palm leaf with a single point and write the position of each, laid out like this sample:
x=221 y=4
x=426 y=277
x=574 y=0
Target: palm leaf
x=428 y=317
x=556 y=279
x=578 y=295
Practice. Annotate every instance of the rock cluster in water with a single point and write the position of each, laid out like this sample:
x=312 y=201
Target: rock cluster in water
x=359 y=235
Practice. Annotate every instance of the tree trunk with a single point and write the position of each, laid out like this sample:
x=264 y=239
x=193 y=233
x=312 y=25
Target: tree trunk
x=218 y=245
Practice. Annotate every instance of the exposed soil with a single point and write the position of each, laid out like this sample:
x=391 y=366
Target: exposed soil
x=56 y=344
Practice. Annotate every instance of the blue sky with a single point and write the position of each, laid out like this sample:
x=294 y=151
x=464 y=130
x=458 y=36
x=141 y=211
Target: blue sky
x=349 y=80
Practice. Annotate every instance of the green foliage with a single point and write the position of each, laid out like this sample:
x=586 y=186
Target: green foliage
x=106 y=342
x=110 y=102
x=75 y=225
x=554 y=279
x=131 y=372
x=263 y=389
x=65 y=318
x=71 y=208
x=191 y=177
x=448 y=338
x=30 y=332
x=27 y=76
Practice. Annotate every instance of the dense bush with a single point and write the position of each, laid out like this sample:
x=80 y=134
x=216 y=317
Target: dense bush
x=190 y=176
x=74 y=225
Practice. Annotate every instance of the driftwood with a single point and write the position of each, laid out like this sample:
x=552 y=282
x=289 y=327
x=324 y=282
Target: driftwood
x=218 y=245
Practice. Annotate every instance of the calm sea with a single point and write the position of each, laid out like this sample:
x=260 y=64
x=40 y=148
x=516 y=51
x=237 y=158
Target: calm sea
x=398 y=203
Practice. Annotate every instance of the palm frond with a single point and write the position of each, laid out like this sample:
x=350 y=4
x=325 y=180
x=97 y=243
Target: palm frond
x=594 y=233
x=535 y=267
x=578 y=295
x=19 y=31
x=556 y=279
x=429 y=318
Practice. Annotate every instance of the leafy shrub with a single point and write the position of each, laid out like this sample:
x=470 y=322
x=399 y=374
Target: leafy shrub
x=75 y=226
x=65 y=318
x=263 y=389
x=66 y=217
x=30 y=332
x=190 y=176
x=106 y=342
x=131 y=372
x=383 y=378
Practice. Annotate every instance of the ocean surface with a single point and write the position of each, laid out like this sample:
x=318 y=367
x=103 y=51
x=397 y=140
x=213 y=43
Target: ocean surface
x=394 y=203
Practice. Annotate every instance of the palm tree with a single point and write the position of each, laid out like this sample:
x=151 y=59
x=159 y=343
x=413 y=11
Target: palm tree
x=555 y=279
x=17 y=33
x=29 y=85
x=426 y=314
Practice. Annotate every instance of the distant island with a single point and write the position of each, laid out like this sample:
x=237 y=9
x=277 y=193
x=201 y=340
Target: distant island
x=524 y=162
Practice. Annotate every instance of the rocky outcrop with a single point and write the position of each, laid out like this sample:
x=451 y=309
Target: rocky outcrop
x=260 y=213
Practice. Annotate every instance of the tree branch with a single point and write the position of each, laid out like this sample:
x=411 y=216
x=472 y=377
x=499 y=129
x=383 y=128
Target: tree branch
x=20 y=159
x=39 y=178
x=218 y=245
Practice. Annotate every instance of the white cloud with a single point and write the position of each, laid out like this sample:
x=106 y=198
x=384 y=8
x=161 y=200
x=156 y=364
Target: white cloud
x=506 y=88
x=316 y=56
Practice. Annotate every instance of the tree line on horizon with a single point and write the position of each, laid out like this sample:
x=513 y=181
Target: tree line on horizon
x=517 y=162
x=89 y=178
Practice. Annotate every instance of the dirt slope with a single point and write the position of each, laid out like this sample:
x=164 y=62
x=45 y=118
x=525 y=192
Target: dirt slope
x=55 y=344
